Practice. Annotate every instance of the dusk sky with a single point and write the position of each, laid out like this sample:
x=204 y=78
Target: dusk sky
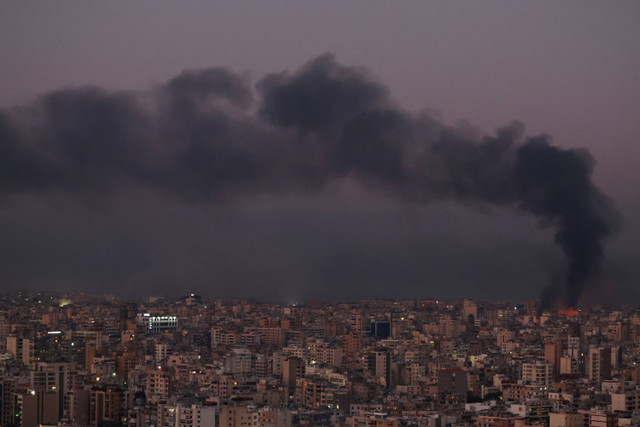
x=335 y=150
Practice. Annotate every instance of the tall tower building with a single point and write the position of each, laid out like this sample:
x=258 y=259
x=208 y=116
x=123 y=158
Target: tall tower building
x=379 y=364
x=552 y=354
x=52 y=377
x=292 y=369
x=599 y=363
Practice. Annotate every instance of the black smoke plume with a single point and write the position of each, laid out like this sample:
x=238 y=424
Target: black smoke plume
x=209 y=135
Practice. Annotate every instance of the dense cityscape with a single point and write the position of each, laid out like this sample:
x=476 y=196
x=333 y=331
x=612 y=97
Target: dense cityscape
x=303 y=213
x=79 y=360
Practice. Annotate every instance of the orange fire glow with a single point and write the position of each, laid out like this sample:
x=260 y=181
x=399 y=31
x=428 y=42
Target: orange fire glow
x=568 y=312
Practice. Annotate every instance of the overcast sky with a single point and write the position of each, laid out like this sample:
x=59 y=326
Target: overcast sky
x=568 y=69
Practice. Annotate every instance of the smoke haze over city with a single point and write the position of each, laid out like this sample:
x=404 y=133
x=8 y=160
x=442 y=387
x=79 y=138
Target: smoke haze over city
x=320 y=178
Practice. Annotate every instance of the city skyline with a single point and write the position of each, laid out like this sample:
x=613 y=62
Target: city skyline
x=195 y=362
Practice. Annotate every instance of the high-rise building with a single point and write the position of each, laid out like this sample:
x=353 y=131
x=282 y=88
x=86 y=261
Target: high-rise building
x=599 y=363
x=52 y=377
x=292 y=369
x=539 y=373
x=358 y=323
x=552 y=353
x=158 y=384
x=38 y=407
x=105 y=406
x=21 y=348
x=379 y=364
x=8 y=403
x=574 y=347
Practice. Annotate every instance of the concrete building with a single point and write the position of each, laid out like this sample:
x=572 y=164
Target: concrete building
x=292 y=370
x=8 y=404
x=39 y=407
x=21 y=348
x=158 y=384
x=238 y=416
x=599 y=363
x=539 y=373
x=238 y=361
x=552 y=353
x=161 y=352
x=565 y=419
x=628 y=401
x=598 y=418
x=379 y=364
x=54 y=377
x=453 y=381
x=105 y=405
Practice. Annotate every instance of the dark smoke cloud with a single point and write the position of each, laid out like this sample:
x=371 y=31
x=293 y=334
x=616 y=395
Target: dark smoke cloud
x=206 y=137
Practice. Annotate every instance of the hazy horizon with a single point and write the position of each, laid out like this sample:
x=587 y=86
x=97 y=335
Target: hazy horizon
x=568 y=70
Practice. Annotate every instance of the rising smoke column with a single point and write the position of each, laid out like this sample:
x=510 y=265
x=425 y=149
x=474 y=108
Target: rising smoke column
x=555 y=185
x=379 y=143
x=206 y=136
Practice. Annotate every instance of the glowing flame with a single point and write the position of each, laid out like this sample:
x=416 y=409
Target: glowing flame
x=568 y=312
